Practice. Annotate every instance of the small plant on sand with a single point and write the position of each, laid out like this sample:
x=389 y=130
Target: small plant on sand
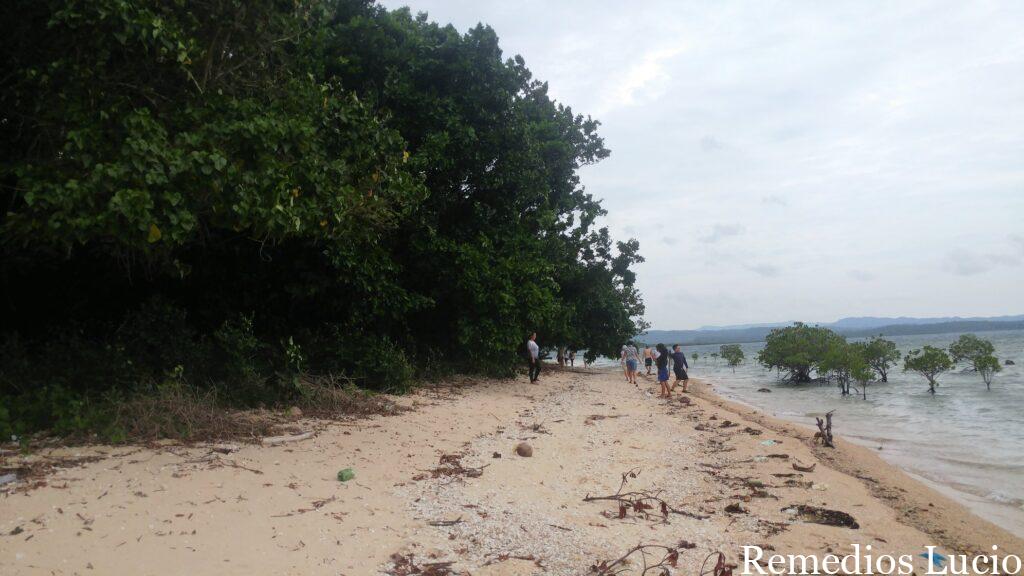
x=929 y=362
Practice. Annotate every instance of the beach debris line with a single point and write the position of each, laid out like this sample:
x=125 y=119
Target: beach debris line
x=277 y=440
x=451 y=465
x=647 y=554
x=800 y=467
x=824 y=433
x=824 y=516
x=735 y=508
x=406 y=566
x=589 y=420
x=643 y=502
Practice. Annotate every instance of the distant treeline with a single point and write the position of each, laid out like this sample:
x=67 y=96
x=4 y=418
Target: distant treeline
x=758 y=334
x=227 y=194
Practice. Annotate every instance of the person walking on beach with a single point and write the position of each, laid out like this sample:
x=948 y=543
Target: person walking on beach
x=648 y=358
x=631 y=360
x=534 y=350
x=662 y=361
x=679 y=366
x=572 y=358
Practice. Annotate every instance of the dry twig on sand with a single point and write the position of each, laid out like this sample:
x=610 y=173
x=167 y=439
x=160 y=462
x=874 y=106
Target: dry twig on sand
x=407 y=566
x=646 y=554
x=642 y=502
x=451 y=465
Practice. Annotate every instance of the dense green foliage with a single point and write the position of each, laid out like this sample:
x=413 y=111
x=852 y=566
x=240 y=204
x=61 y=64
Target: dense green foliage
x=880 y=355
x=844 y=363
x=228 y=193
x=797 y=349
x=979 y=353
x=733 y=354
x=929 y=362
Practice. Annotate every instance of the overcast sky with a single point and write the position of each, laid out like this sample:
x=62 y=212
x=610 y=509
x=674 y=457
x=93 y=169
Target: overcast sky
x=794 y=160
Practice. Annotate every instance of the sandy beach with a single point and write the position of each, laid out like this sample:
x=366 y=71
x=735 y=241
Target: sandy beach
x=441 y=483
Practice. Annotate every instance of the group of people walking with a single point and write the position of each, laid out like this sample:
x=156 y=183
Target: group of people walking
x=659 y=356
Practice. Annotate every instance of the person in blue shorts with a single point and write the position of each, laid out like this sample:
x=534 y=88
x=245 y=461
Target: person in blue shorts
x=662 y=361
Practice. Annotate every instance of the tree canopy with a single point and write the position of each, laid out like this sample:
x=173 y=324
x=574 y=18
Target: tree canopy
x=929 y=362
x=979 y=353
x=192 y=187
x=797 y=349
x=880 y=355
x=733 y=354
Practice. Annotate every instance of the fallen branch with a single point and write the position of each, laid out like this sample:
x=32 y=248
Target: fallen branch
x=642 y=501
x=799 y=467
x=446 y=522
x=316 y=505
x=276 y=440
x=647 y=553
x=451 y=465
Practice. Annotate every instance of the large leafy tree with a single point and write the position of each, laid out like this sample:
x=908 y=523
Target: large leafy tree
x=980 y=353
x=881 y=355
x=505 y=243
x=798 y=349
x=929 y=362
x=357 y=186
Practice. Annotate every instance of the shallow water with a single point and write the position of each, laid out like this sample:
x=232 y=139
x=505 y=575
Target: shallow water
x=966 y=440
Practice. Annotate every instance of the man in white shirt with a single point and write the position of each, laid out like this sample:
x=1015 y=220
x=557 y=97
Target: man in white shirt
x=531 y=346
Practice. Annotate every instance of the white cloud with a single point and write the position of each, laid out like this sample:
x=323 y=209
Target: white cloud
x=721 y=231
x=643 y=80
x=830 y=144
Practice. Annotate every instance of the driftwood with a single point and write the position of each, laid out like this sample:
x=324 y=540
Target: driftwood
x=276 y=440
x=642 y=501
x=822 y=516
x=824 y=432
x=801 y=468
x=446 y=522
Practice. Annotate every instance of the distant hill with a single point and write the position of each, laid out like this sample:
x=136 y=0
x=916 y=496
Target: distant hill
x=851 y=327
x=875 y=322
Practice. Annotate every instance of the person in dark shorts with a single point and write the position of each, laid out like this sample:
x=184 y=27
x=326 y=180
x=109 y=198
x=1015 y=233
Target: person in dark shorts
x=533 y=352
x=662 y=361
x=679 y=366
x=648 y=358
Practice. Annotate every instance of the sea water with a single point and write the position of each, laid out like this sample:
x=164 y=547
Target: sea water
x=966 y=441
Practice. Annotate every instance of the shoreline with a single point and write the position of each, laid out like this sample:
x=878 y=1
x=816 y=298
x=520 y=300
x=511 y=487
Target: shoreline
x=1010 y=518
x=919 y=502
x=281 y=509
